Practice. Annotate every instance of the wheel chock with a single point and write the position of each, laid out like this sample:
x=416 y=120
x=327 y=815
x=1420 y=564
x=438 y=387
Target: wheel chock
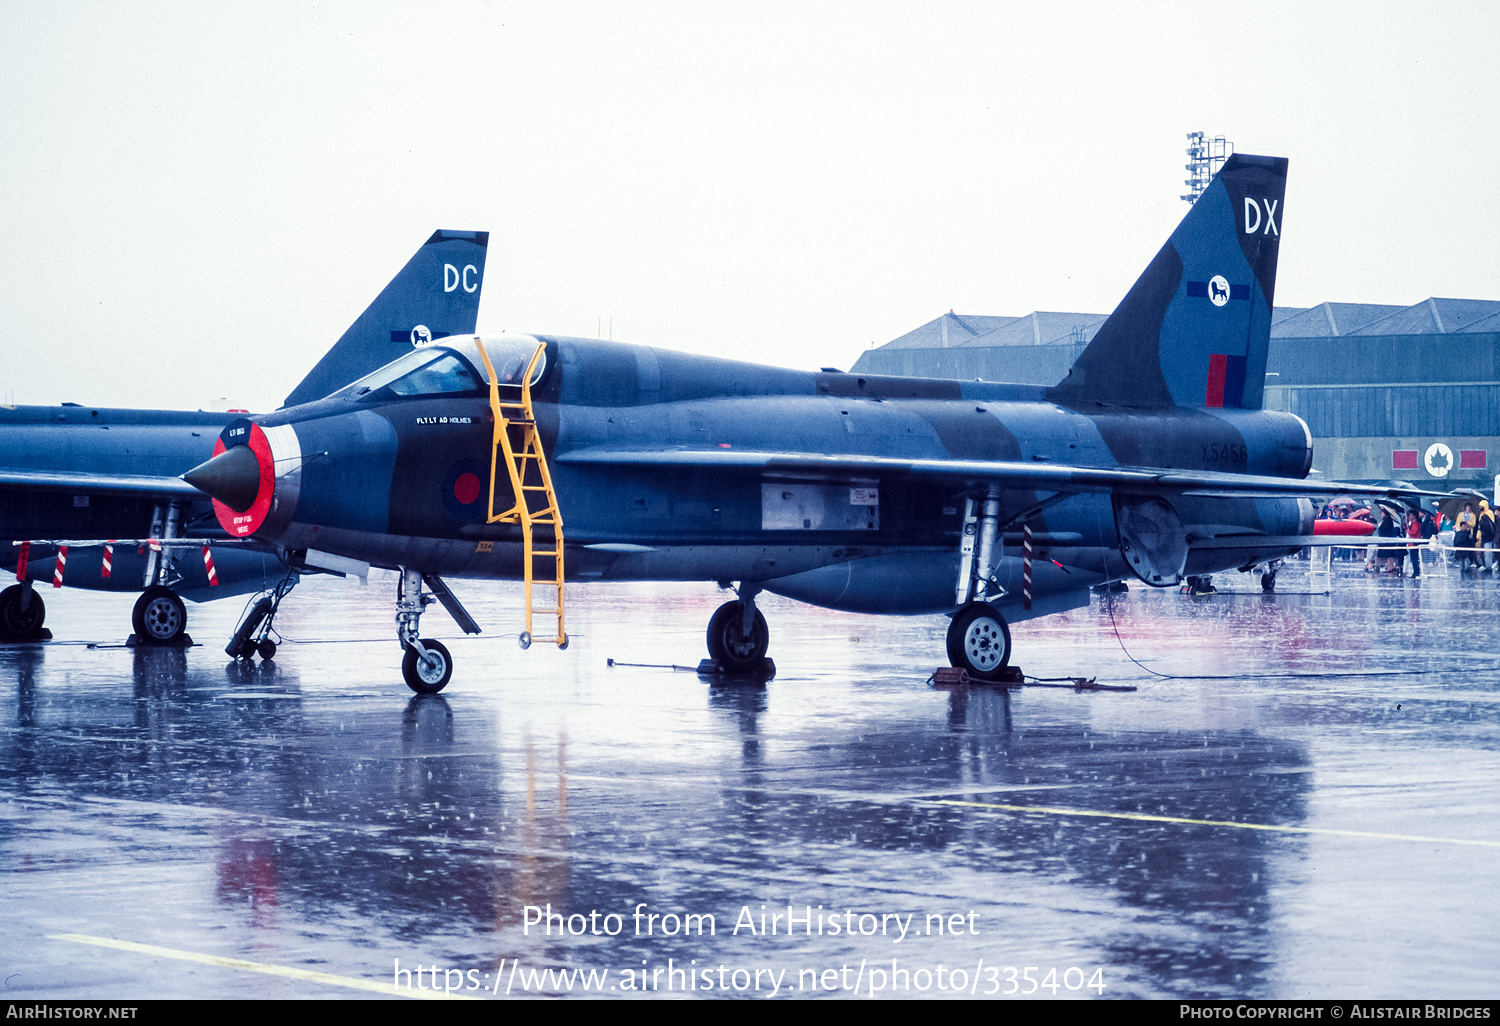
x=765 y=671
x=955 y=676
x=40 y=634
x=183 y=640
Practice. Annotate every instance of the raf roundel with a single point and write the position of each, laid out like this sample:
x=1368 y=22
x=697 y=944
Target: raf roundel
x=463 y=489
x=1218 y=290
x=466 y=488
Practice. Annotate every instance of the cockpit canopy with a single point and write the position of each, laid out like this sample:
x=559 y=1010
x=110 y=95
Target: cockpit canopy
x=451 y=366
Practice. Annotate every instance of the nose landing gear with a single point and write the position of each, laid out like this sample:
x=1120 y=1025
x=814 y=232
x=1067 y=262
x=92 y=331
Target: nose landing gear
x=426 y=665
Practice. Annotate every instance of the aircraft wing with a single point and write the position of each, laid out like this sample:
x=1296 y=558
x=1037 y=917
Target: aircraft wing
x=1050 y=477
x=82 y=481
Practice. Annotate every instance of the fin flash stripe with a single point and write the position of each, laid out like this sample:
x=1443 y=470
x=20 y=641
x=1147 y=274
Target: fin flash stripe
x=1226 y=381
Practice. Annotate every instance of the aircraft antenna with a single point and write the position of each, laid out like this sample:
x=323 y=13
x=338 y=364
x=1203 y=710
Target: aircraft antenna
x=1205 y=157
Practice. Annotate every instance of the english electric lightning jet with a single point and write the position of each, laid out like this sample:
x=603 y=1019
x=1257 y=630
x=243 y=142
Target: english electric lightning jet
x=559 y=460
x=97 y=474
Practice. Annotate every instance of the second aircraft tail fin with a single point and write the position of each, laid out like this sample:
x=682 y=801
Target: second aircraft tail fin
x=1195 y=328
x=436 y=294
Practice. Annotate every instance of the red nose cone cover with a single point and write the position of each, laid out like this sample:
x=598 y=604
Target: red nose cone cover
x=240 y=525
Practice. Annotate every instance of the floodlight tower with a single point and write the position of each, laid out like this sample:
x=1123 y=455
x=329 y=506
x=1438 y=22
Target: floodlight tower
x=1205 y=157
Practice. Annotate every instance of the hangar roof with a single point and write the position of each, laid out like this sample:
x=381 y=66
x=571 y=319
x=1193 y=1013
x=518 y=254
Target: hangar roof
x=1490 y=323
x=1432 y=316
x=1326 y=320
x=947 y=331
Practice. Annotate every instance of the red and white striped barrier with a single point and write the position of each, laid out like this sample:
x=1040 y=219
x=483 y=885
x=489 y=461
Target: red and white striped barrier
x=62 y=561
x=1026 y=566
x=208 y=564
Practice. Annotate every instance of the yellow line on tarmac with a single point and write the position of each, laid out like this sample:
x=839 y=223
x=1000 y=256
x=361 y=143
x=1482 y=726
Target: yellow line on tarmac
x=329 y=979
x=1053 y=810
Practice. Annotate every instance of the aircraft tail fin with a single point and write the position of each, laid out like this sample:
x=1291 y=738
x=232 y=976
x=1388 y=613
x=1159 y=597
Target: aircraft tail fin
x=1195 y=328
x=436 y=293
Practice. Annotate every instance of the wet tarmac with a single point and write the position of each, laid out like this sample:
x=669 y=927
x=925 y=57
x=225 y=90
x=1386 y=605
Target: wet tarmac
x=1317 y=817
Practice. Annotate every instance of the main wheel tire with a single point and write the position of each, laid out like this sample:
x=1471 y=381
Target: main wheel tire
x=267 y=649
x=427 y=677
x=159 y=617
x=728 y=643
x=979 y=641
x=16 y=622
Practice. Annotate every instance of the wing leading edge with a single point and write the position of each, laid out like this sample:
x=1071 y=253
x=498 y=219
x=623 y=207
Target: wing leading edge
x=1039 y=476
x=82 y=481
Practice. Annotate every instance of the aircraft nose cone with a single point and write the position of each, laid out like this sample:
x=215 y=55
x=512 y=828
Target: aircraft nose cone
x=232 y=477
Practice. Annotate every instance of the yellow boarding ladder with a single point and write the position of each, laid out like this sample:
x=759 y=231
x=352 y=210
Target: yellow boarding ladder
x=531 y=484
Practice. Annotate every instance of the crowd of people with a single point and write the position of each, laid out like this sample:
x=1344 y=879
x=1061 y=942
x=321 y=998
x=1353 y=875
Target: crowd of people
x=1474 y=542
x=1474 y=538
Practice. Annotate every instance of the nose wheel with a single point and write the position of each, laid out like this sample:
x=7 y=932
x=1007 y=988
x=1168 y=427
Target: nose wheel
x=427 y=671
x=979 y=641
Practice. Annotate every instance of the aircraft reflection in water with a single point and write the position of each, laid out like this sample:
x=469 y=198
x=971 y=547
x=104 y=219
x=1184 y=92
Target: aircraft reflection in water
x=989 y=502
x=416 y=827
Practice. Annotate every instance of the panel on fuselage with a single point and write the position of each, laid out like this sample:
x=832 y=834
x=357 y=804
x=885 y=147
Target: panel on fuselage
x=440 y=482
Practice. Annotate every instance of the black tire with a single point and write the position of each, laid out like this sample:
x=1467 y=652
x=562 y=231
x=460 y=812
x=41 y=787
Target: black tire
x=727 y=643
x=979 y=641
x=1268 y=581
x=18 y=623
x=267 y=649
x=427 y=678
x=159 y=617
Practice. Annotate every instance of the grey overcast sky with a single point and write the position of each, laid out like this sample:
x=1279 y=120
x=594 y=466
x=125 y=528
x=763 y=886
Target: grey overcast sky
x=197 y=199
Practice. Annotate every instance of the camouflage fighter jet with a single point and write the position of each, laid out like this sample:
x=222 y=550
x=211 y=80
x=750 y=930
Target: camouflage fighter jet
x=560 y=460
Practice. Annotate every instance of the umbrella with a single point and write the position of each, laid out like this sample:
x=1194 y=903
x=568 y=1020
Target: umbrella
x=1344 y=500
x=1452 y=506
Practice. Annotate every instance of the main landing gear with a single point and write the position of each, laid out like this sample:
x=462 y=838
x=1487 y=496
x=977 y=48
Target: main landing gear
x=979 y=637
x=159 y=617
x=22 y=614
x=979 y=641
x=738 y=636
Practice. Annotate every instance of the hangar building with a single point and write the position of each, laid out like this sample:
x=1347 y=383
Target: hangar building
x=1389 y=392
